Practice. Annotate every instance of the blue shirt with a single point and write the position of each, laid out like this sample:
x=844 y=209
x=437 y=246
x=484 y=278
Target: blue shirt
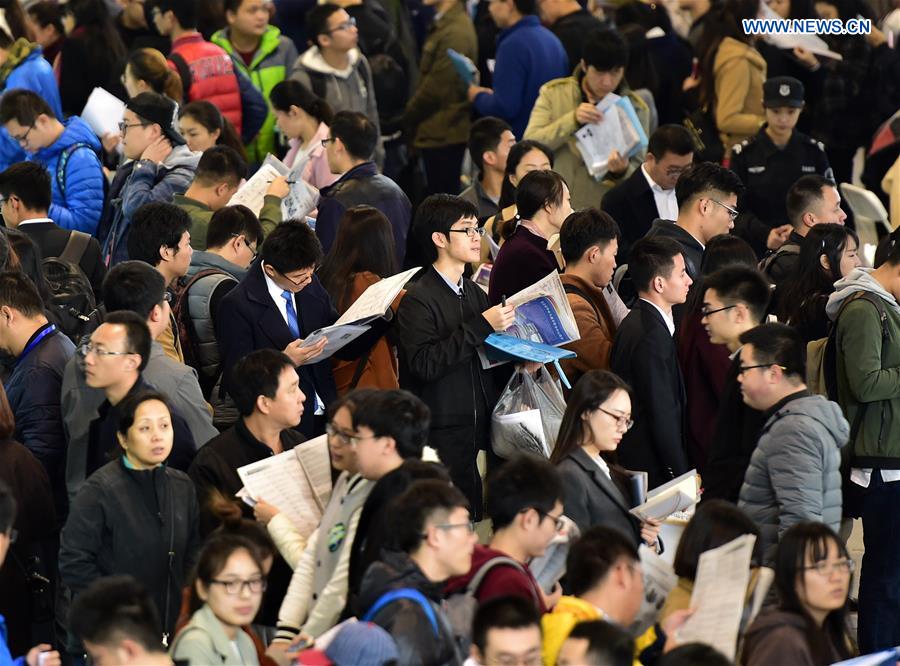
x=5 y=657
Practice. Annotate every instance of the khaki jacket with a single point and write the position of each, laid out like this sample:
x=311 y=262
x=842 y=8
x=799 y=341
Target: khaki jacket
x=739 y=72
x=553 y=123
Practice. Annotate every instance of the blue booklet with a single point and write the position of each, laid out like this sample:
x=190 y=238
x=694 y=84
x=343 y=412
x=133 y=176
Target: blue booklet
x=464 y=66
x=502 y=347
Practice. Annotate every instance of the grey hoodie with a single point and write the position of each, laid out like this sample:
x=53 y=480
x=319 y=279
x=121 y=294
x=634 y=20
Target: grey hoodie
x=859 y=279
x=794 y=473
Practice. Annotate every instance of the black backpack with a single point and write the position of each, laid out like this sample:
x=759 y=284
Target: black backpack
x=73 y=300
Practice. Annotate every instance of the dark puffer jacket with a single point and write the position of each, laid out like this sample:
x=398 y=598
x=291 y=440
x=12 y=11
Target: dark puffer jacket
x=405 y=619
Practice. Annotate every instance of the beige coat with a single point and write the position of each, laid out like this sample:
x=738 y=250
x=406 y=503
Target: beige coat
x=739 y=72
x=553 y=123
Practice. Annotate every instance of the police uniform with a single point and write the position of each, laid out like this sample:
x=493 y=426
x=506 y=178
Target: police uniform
x=768 y=171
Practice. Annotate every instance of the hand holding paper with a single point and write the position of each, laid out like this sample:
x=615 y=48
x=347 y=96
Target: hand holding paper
x=677 y=495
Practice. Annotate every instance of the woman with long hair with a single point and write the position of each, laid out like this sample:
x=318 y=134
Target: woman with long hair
x=44 y=20
x=304 y=119
x=542 y=201
x=597 y=491
x=705 y=364
x=524 y=157
x=203 y=126
x=732 y=72
x=147 y=70
x=828 y=254
x=226 y=594
x=91 y=55
x=809 y=626
x=362 y=254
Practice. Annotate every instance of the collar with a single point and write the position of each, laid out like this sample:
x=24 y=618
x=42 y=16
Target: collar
x=769 y=147
x=457 y=288
x=37 y=220
x=180 y=200
x=274 y=290
x=653 y=184
x=36 y=338
x=530 y=21
x=189 y=38
x=670 y=322
x=250 y=440
x=802 y=393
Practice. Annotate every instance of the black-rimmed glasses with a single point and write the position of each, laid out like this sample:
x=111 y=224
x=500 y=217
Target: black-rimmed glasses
x=732 y=212
x=22 y=140
x=249 y=247
x=558 y=521
x=705 y=312
x=824 y=568
x=235 y=587
x=471 y=232
x=744 y=368
x=621 y=420
x=469 y=527
x=346 y=25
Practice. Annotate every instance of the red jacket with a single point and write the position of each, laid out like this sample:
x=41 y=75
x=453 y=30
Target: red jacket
x=501 y=581
x=213 y=76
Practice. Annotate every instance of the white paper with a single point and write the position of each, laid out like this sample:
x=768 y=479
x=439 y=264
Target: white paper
x=103 y=112
x=548 y=568
x=659 y=579
x=377 y=298
x=812 y=43
x=253 y=192
x=338 y=336
x=302 y=198
x=522 y=429
x=281 y=481
x=718 y=597
x=596 y=141
x=316 y=463
x=677 y=495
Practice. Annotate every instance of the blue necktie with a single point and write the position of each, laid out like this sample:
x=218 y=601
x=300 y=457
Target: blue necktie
x=291 y=313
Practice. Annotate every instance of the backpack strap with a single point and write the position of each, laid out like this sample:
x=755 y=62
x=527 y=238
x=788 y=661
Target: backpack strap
x=577 y=291
x=481 y=574
x=64 y=160
x=75 y=247
x=184 y=71
x=404 y=593
x=317 y=83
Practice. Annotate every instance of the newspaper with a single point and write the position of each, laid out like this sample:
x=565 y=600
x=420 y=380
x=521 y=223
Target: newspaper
x=620 y=130
x=302 y=198
x=659 y=580
x=548 y=568
x=677 y=495
x=718 y=597
x=103 y=112
x=253 y=192
x=297 y=482
x=338 y=335
x=376 y=300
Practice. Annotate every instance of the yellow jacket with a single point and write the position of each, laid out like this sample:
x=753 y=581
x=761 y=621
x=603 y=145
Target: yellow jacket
x=739 y=72
x=891 y=185
x=568 y=612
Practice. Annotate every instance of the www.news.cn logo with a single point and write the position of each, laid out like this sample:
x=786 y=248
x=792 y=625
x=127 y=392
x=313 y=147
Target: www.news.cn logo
x=855 y=26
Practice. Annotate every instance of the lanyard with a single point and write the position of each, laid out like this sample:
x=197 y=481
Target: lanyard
x=36 y=341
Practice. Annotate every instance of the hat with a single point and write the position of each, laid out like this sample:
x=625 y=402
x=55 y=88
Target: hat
x=159 y=109
x=362 y=644
x=782 y=91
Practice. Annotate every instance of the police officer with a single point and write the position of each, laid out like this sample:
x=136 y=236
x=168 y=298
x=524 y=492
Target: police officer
x=770 y=162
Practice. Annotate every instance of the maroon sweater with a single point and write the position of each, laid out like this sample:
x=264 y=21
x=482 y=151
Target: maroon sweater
x=501 y=581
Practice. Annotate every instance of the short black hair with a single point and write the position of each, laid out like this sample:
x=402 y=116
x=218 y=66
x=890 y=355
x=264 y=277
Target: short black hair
x=18 y=292
x=437 y=214
x=153 y=226
x=7 y=508
x=134 y=286
x=185 y=12
x=586 y=228
x=592 y=556
x=607 y=644
x=358 y=134
x=526 y=7
x=741 y=284
x=137 y=334
x=410 y=511
x=115 y=608
x=503 y=613
x=705 y=178
x=231 y=221
x=650 y=258
x=522 y=483
x=397 y=414
x=257 y=374
x=291 y=246
x=485 y=136
x=694 y=654
x=715 y=523
x=23 y=106
x=605 y=50
x=220 y=164
x=29 y=181
x=317 y=20
x=47 y=12
x=778 y=344
x=805 y=193
x=673 y=139
x=128 y=407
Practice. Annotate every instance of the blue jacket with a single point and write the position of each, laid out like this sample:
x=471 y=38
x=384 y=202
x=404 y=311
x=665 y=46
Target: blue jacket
x=528 y=55
x=35 y=74
x=5 y=657
x=137 y=183
x=77 y=184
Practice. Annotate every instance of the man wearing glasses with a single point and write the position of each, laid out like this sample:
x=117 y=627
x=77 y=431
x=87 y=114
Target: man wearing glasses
x=794 y=474
x=707 y=197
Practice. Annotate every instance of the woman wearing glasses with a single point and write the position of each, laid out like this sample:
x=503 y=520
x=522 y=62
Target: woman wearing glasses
x=597 y=490
x=135 y=515
x=809 y=625
x=225 y=596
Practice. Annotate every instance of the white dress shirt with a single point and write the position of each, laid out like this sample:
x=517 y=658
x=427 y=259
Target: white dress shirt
x=666 y=204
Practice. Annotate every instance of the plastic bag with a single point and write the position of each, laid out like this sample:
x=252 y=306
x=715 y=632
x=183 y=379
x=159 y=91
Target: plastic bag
x=527 y=416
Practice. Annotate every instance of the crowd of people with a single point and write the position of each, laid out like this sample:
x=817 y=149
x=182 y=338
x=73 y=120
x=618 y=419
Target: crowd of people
x=156 y=337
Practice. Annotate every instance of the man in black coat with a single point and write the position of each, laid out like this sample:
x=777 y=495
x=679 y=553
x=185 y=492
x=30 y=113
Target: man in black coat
x=25 y=188
x=644 y=355
x=279 y=303
x=442 y=321
x=649 y=193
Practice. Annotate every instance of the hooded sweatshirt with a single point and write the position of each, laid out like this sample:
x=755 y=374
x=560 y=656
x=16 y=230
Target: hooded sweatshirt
x=794 y=474
x=868 y=368
x=76 y=176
